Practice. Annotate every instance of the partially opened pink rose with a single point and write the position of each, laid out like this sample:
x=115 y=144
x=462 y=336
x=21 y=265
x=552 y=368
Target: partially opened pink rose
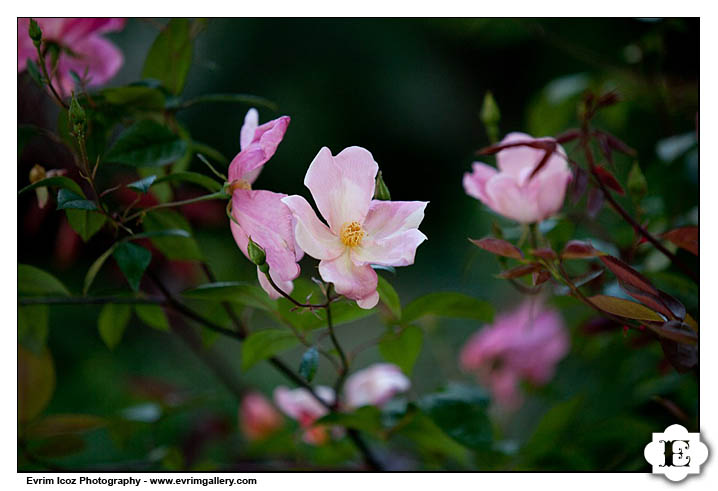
x=261 y=215
x=257 y=417
x=82 y=49
x=375 y=385
x=509 y=191
x=301 y=406
x=361 y=231
x=525 y=344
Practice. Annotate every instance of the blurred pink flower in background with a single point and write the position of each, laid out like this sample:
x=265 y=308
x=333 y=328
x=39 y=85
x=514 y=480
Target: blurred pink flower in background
x=510 y=191
x=525 y=344
x=257 y=417
x=375 y=385
x=361 y=231
x=301 y=406
x=261 y=215
x=82 y=49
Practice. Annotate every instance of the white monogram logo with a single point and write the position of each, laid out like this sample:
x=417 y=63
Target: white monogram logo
x=676 y=453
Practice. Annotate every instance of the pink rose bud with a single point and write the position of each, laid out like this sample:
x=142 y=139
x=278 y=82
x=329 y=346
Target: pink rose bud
x=359 y=231
x=511 y=190
x=83 y=49
x=375 y=385
x=525 y=344
x=257 y=417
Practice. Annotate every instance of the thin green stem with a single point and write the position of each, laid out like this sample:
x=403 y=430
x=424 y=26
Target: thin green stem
x=206 y=197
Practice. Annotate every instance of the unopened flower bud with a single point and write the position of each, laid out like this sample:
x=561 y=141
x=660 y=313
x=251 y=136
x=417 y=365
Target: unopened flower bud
x=35 y=33
x=381 y=191
x=37 y=173
x=490 y=116
x=77 y=117
x=257 y=254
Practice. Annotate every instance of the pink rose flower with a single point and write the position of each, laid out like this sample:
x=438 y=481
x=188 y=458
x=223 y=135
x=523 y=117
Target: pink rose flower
x=82 y=48
x=375 y=385
x=261 y=215
x=509 y=191
x=361 y=231
x=257 y=417
x=525 y=344
x=301 y=406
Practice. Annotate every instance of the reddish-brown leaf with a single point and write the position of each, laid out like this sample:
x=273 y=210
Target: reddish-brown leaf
x=498 y=246
x=594 y=202
x=648 y=299
x=684 y=237
x=541 y=277
x=683 y=357
x=543 y=161
x=628 y=275
x=519 y=271
x=578 y=184
x=608 y=179
x=544 y=253
x=545 y=144
x=578 y=249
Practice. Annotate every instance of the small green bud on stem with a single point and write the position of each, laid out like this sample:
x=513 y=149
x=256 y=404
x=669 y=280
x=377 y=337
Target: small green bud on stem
x=381 y=191
x=257 y=255
x=35 y=33
x=490 y=116
x=77 y=118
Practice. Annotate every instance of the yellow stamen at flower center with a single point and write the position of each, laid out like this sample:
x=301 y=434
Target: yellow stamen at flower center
x=239 y=184
x=351 y=234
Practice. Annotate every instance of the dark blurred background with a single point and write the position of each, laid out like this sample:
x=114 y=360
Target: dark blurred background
x=410 y=91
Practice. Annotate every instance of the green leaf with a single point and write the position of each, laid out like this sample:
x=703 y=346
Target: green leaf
x=250 y=100
x=461 y=412
x=448 y=304
x=555 y=426
x=32 y=281
x=428 y=438
x=172 y=232
x=66 y=199
x=133 y=261
x=153 y=315
x=135 y=97
x=233 y=291
x=64 y=424
x=389 y=297
x=195 y=178
x=95 y=268
x=33 y=327
x=170 y=56
x=402 y=348
x=85 y=223
x=112 y=323
x=263 y=344
x=625 y=308
x=35 y=383
x=308 y=365
x=146 y=144
x=143 y=185
x=213 y=153
x=34 y=72
x=175 y=248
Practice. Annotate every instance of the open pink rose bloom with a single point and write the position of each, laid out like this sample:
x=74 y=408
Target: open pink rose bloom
x=260 y=214
x=302 y=407
x=375 y=385
x=511 y=191
x=82 y=49
x=360 y=231
x=525 y=344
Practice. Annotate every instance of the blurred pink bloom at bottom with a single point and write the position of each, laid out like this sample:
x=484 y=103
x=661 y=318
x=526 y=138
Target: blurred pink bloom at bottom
x=375 y=385
x=525 y=344
x=301 y=406
x=257 y=417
